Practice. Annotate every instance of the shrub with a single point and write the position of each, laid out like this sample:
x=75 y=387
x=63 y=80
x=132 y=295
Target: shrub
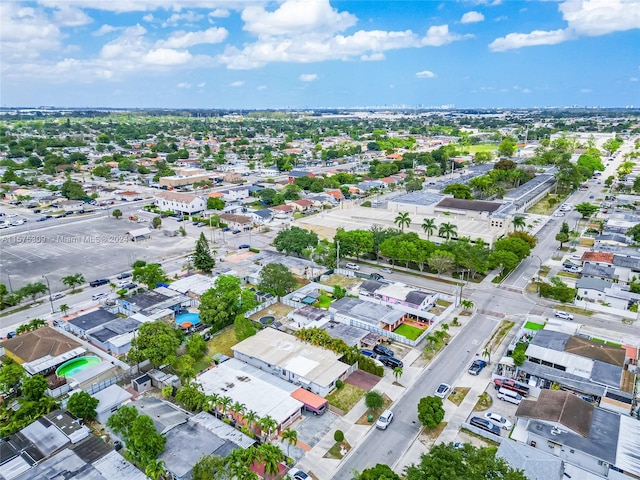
x=367 y=364
x=254 y=250
x=339 y=384
x=338 y=436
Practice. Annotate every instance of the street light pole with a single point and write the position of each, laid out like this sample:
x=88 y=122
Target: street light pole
x=49 y=289
x=539 y=268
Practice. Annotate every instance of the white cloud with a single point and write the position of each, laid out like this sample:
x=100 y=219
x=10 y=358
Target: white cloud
x=146 y=5
x=166 y=57
x=105 y=29
x=71 y=17
x=149 y=18
x=237 y=83
x=201 y=84
x=425 y=74
x=219 y=13
x=439 y=35
x=374 y=57
x=184 y=85
x=537 y=37
x=26 y=32
x=472 y=17
x=183 y=39
x=187 y=17
x=633 y=79
x=308 y=77
x=584 y=18
x=296 y=17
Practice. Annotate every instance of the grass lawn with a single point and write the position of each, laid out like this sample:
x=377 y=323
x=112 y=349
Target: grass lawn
x=364 y=419
x=430 y=351
x=457 y=397
x=543 y=207
x=323 y=302
x=484 y=403
x=482 y=147
x=533 y=326
x=222 y=342
x=599 y=340
x=434 y=433
x=409 y=331
x=346 y=397
x=334 y=452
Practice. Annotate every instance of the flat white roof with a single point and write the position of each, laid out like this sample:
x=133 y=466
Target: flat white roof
x=315 y=364
x=257 y=395
x=111 y=396
x=197 y=284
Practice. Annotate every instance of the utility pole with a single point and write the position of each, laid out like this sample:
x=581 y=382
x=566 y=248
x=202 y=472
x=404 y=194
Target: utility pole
x=337 y=254
x=49 y=289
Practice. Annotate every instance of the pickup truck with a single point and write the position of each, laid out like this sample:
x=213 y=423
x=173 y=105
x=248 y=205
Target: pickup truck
x=510 y=384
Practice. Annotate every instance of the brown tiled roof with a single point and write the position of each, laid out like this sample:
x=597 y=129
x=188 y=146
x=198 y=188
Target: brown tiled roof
x=228 y=217
x=31 y=346
x=559 y=407
x=597 y=257
x=474 y=205
x=303 y=202
x=596 y=351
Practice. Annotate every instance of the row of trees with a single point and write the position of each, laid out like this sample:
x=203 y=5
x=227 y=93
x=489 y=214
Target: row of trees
x=10 y=299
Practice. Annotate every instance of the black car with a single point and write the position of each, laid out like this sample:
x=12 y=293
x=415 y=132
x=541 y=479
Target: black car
x=123 y=275
x=382 y=350
x=391 y=362
x=97 y=283
x=368 y=353
x=485 y=424
x=244 y=245
x=377 y=276
x=41 y=219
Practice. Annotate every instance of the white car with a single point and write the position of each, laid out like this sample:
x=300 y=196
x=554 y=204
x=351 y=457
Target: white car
x=353 y=266
x=98 y=296
x=387 y=270
x=443 y=390
x=498 y=420
x=384 y=420
x=558 y=214
x=564 y=315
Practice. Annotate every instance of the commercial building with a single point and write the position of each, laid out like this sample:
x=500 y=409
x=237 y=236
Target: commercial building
x=184 y=203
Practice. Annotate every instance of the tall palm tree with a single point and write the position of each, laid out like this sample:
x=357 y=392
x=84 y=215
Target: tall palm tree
x=251 y=418
x=155 y=469
x=291 y=436
x=268 y=425
x=64 y=308
x=467 y=304
x=448 y=230
x=36 y=323
x=397 y=373
x=238 y=410
x=429 y=226
x=210 y=402
x=519 y=222
x=223 y=404
x=72 y=281
x=402 y=220
x=271 y=456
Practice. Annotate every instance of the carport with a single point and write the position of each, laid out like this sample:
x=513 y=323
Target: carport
x=139 y=234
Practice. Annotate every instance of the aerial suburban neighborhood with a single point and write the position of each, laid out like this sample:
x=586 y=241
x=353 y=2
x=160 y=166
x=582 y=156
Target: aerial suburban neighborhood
x=345 y=294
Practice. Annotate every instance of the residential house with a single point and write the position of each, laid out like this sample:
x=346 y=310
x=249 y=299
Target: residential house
x=535 y=463
x=184 y=203
x=282 y=211
x=260 y=217
x=237 y=222
x=301 y=205
x=597 y=258
x=194 y=285
x=370 y=316
x=593 y=289
x=156 y=304
x=109 y=401
x=600 y=272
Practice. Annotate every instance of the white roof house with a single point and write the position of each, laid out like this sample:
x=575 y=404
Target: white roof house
x=110 y=400
x=195 y=285
x=243 y=387
x=287 y=357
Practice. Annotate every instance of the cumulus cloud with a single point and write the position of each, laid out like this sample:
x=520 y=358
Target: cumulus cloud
x=67 y=16
x=374 y=57
x=425 y=74
x=26 y=32
x=472 y=17
x=184 y=85
x=584 y=18
x=219 y=13
x=187 y=17
x=439 y=35
x=237 y=83
x=105 y=29
x=187 y=39
x=308 y=77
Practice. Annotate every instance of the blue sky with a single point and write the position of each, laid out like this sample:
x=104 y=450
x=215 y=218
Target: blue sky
x=320 y=53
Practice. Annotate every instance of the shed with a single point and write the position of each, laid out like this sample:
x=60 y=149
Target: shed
x=110 y=399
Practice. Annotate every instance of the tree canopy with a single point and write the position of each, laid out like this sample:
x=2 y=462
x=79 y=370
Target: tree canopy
x=430 y=411
x=295 y=240
x=155 y=341
x=220 y=305
x=83 y=405
x=150 y=274
x=276 y=279
x=202 y=258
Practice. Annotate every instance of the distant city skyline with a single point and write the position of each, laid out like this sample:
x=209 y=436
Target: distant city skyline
x=305 y=54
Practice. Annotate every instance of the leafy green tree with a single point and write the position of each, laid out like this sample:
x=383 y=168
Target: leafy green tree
x=458 y=190
x=448 y=230
x=33 y=290
x=33 y=388
x=354 y=242
x=155 y=341
x=562 y=238
x=214 y=203
x=220 y=305
x=587 y=209
x=483 y=157
x=150 y=274
x=379 y=472
x=445 y=462
x=73 y=190
x=121 y=421
x=339 y=292
x=373 y=400
x=156 y=222
x=82 y=405
x=155 y=470
x=202 y=258
x=527 y=237
x=402 y=220
x=430 y=411
x=508 y=260
x=276 y=279
x=634 y=232
x=414 y=184
x=11 y=375
x=514 y=245
x=72 y=281
x=117 y=213
x=196 y=346
x=243 y=328
x=211 y=467
x=185 y=366
x=103 y=171
x=441 y=261
x=507 y=147
x=295 y=240
x=144 y=443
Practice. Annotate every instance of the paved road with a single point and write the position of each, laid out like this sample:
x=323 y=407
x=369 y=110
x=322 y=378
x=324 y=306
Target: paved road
x=387 y=446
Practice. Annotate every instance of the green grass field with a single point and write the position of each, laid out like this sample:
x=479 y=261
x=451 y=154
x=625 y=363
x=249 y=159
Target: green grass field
x=323 y=302
x=533 y=326
x=482 y=147
x=408 y=331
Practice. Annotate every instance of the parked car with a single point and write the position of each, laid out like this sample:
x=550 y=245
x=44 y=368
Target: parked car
x=244 y=245
x=298 y=474
x=510 y=384
x=353 y=266
x=564 y=315
x=99 y=282
x=477 y=366
x=377 y=276
x=123 y=275
x=443 y=390
x=510 y=396
x=390 y=362
x=226 y=229
x=382 y=350
x=499 y=420
x=485 y=424
x=11 y=335
x=41 y=219
x=235 y=232
x=384 y=420
x=368 y=353
x=387 y=270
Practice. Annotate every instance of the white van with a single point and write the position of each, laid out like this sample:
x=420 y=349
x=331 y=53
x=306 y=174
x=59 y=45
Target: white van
x=509 y=396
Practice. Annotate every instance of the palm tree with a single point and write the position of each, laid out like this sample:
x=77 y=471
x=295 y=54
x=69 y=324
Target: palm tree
x=223 y=404
x=397 y=372
x=36 y=323
x=238 y=409
x=431 y=340
x=448 y=230
x=210 y=402
x=251 y=418
x=155 y=469
x=64 y=308
x=291 y=436
x=73 y=281
x=402 y=220
x=429 y=226
x=268 y=425
x=467 y=304
x=487 y=353
x=445 y=327
x=271 y=456
x=519 y=222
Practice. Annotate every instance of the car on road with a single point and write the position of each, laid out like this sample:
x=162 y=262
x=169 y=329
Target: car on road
x=98 y=296
x=99 y=282
x=485 y=424
x=384 y=420
x=244 y=245
x=390 y=362
x=368 y=353
x=11 y=335
x=564 y=315
x=387 y=270
x=377 y=276
x=41 y=219
x=477 y=366
x=558 y=214
x=499 y=420
x=353 y=266
x=57 y=296
x=123 y=275
x=226 y=229
x=129 y=285
x=592 y=197
x=576 y=257
x=382 y=350
x=443 y=390
x=235 y=232
x=298 y=474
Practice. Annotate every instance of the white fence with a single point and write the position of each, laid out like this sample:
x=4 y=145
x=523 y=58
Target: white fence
x=596 y=307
